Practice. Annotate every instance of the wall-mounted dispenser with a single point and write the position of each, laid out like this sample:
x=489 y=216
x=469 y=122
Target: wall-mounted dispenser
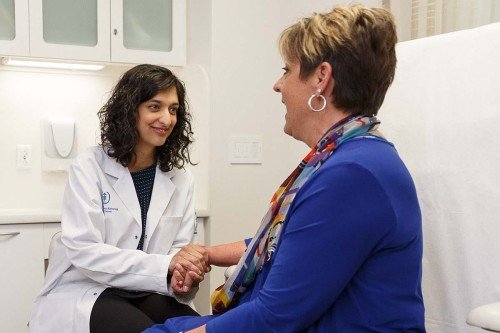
x=58 y=143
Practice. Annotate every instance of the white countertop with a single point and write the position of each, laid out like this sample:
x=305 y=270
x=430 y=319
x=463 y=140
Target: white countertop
x=17 y=216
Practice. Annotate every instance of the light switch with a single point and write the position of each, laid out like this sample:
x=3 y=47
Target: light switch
x=245 y=150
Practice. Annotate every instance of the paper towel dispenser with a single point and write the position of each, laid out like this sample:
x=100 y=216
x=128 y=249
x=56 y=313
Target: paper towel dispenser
x=58 y=143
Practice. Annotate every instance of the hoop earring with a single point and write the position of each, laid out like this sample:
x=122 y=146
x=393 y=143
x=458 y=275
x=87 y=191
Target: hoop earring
x=318 y=95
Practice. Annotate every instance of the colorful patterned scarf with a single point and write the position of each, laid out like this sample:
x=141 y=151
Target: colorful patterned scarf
x=263 y=244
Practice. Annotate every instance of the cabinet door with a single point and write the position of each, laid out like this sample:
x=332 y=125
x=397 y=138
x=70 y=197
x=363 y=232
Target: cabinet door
x=152 y=31
x=21 y=258
x=14 y=31
x=70 y=29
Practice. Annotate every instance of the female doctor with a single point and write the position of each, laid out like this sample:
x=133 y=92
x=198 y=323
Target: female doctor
x=127 y=217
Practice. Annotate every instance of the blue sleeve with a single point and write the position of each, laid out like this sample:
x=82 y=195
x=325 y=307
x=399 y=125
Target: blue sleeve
x=179 y=324
x=337 y=219
x=247 y=241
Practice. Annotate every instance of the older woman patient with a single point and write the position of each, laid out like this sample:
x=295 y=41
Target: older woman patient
x=340 y=248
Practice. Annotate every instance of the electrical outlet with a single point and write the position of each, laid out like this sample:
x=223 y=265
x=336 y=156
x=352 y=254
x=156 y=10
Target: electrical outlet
x=24 y=157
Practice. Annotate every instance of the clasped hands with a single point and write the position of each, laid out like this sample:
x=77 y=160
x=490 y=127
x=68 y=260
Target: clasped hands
x=188 y=268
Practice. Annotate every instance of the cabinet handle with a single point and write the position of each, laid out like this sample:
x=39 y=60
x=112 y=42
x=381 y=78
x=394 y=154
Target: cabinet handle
x=15 y=233
x=115 y=32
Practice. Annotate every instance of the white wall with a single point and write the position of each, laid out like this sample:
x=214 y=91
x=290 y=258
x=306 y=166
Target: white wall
x=245 y=65
x=197 y=78
x=26 y=97
x=199 y=33
x=401 y=9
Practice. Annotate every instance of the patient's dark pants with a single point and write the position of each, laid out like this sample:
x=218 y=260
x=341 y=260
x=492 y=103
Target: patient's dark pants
x=126 y=312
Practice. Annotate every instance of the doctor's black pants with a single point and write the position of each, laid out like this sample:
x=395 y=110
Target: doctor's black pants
x=128 y=312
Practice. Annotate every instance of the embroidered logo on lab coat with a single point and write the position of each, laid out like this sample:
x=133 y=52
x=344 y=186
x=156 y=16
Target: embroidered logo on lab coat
x=105 y=197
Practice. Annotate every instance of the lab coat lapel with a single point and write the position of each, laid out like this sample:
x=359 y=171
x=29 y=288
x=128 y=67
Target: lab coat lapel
x=163 y=189
x=124 y=187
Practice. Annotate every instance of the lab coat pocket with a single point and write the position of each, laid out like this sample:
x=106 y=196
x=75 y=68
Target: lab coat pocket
x=165 y=234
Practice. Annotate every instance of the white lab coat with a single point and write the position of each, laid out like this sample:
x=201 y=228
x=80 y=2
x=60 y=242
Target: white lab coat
x=101 y=227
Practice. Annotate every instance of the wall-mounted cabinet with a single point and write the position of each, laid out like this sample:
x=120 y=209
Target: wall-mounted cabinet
x=71 y=29
x=153 y=30
x=124 y=31
x=14 y=28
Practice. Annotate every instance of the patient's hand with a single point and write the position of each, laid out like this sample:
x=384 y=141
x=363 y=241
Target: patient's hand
x=192 y=257
x=183 y=280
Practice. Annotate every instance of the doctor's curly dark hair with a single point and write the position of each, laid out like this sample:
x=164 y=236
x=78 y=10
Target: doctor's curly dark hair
x=118 y=117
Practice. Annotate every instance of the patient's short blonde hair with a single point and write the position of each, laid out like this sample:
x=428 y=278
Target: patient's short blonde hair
x=358 y=42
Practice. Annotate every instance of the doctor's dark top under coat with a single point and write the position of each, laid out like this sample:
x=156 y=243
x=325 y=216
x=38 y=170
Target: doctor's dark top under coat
x=143 y=182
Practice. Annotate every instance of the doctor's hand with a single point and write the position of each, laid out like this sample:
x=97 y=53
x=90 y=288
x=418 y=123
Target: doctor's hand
x=183 y=281
x=192 y=257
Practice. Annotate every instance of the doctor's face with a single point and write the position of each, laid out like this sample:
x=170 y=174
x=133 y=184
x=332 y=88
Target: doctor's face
x=157 y=118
